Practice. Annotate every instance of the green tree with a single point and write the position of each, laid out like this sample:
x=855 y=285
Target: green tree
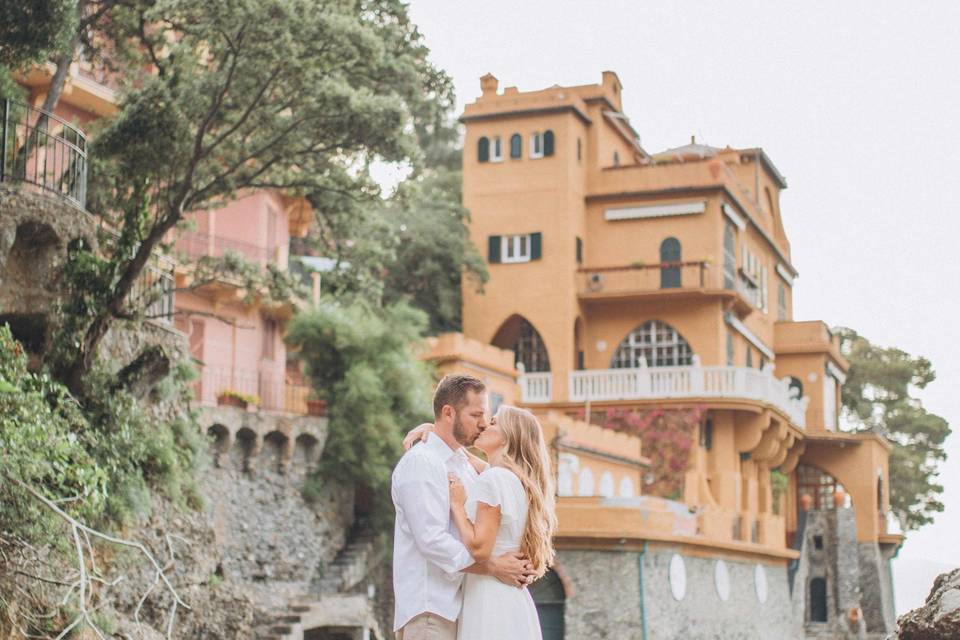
x=433 y=250
x=279 y=94
x=879 y=396
x=360 y=360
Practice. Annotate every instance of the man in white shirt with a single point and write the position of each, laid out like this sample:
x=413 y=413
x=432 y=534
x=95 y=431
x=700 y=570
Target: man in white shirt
x=428 y=557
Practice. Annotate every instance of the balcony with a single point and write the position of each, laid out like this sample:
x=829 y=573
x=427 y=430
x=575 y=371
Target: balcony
x=197 y=245
x=40 y=149
x=273 y=390
x=667 y=383
x=690 y=279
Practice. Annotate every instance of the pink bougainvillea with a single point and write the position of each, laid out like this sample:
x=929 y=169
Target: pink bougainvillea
x=667 y=437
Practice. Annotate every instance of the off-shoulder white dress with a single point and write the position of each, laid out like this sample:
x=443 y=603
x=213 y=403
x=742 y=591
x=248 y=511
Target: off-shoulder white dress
x=491 y=609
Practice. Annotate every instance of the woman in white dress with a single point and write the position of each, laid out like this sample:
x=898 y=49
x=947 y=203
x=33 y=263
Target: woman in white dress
x=513 y=511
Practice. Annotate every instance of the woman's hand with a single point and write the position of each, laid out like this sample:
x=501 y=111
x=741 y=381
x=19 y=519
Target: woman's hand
x=458 y=494
x=418 y=434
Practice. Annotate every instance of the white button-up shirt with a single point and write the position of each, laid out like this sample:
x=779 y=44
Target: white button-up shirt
x=428 y=556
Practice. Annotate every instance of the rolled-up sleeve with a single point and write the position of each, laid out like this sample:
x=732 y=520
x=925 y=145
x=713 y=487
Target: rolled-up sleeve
x=422 y=496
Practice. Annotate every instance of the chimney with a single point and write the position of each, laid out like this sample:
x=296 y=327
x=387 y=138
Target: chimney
x=489 y=84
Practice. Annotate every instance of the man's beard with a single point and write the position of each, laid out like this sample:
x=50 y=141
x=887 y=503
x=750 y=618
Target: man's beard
x=460 y=433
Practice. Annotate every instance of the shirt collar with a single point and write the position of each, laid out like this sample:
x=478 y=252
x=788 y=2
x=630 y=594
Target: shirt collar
x=439 y=448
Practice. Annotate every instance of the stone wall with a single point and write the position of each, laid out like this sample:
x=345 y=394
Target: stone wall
x=605 y=602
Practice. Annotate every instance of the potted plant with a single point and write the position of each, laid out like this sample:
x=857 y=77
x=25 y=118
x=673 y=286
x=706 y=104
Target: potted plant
x=231 y=398
x=316 y=406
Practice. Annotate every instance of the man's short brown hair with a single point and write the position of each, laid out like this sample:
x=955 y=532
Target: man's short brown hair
x=453 y=390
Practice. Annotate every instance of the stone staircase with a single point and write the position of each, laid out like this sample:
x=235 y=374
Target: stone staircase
x=329 y=602
x=352 y=564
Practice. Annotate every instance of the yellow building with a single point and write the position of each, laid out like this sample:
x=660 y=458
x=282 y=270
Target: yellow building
x=625 y=281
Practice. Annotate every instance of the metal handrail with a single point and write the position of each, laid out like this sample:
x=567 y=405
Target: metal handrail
x=42 y=149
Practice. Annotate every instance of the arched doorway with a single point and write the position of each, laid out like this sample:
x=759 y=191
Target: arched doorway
x=819 y=485
x=655 y=343
x=550 y=598
x=518 y=335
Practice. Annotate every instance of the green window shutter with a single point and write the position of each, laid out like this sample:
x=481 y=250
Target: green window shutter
x=493 y=249
x=579 y=250
x=536 y=245
x=548 y=143
x=483 y=150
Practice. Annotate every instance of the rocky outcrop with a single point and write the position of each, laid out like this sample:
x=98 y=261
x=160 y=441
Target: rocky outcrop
x=939 y=617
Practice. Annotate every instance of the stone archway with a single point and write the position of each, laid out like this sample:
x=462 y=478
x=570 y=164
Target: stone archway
x=219 y=437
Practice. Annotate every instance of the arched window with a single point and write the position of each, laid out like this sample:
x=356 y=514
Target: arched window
x=626 y=487
x=550 y=599
x=670 y=255
x=656 y=343
x=796 y=387
x=516 y=146
x=818 y=600
x=548 y=142
x=496 y=150
x=585 y=483
x=525 y=341
x=819 y=485
x=606 y=485
x=483 y=150
x=536 y=145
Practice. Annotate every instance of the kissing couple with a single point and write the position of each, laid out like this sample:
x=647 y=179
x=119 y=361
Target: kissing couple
x=470 y=535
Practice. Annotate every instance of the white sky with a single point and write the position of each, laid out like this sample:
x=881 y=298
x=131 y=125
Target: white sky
x=857 y=104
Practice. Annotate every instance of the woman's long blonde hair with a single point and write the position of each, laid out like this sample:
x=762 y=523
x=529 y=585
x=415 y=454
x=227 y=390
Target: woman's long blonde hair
x=527 y=456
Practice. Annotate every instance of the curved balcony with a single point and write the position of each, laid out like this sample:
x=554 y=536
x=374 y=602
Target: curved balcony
x=40 y=149
x=693 y=381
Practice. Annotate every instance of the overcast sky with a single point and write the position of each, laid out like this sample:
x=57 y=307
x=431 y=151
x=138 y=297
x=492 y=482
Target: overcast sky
x=855 y=102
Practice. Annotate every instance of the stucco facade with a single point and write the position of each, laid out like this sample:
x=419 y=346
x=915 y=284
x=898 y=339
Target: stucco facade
x=629 y=281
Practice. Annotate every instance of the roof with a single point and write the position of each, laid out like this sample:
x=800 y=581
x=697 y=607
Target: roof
x=692 y=151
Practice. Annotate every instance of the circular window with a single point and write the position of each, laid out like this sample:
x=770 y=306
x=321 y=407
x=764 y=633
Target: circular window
x=721 y=579
x=678 y=577
x=760 y=583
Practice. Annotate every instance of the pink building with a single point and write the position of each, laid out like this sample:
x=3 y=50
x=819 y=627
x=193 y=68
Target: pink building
x=238 y=344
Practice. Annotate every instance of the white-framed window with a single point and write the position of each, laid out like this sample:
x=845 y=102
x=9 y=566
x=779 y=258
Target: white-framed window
x=496 y=149
x=515 y=248
x=536 y=145
x=756 y=276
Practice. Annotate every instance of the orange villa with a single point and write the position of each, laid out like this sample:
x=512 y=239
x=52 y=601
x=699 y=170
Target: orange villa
x=622 y=280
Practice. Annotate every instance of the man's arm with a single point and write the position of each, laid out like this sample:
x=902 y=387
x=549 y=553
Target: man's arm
x=422 y=497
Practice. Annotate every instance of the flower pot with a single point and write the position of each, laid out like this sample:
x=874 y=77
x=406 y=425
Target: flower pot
x=231 y=401
x=316 y=407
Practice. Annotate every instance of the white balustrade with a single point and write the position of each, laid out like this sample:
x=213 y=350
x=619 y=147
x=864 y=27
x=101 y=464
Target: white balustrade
x=536 y=387
x=682 y=382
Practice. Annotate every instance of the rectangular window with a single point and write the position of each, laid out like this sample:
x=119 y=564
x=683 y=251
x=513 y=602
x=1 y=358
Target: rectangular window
x=781 y=302
x=579 y=251
x=269 y=339
x=516 y=248
x=496 y=149
x=729 y=256
x=536 y=145
x=730 y=356
x=829 y=402
x=579 y=149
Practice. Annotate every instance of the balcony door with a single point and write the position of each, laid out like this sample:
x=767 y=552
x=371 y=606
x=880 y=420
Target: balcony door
x=670 y=258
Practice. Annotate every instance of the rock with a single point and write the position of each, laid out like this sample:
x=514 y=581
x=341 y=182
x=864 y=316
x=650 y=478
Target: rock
x=939 y=617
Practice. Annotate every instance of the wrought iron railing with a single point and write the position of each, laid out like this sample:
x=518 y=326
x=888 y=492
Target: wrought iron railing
x=38 y=148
